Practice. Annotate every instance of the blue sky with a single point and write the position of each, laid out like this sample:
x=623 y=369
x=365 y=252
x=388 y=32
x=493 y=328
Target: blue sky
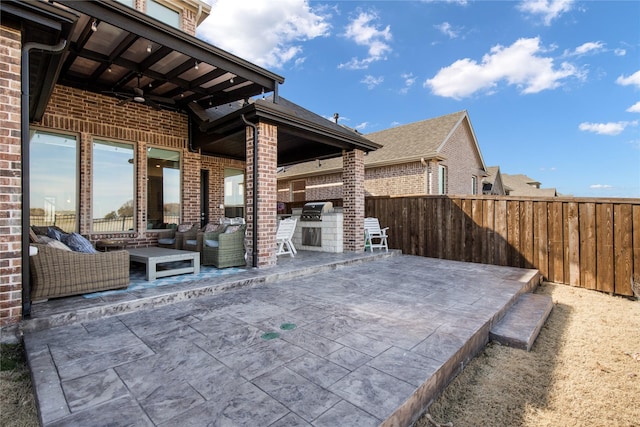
x=552 y=87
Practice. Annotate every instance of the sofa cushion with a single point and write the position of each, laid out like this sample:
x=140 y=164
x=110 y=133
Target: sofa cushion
x=232 y=229
x=53 y=243
x=79 y=244
x=184 y=227
x=211 y=227
x=54 y=233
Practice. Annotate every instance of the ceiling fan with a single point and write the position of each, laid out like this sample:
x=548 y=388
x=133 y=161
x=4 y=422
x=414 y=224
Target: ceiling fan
x=140 y=97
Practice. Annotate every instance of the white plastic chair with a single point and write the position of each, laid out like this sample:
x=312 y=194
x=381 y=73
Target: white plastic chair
x=372 y=231
x=286 y=228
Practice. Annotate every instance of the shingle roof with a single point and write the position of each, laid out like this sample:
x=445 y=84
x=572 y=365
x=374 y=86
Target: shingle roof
x=492 y=173
x=522 y=185
x=401 y=144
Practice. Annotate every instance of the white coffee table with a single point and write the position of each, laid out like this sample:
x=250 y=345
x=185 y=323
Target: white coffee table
x=152 y=256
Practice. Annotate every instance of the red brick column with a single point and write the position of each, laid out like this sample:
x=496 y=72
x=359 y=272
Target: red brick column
x=353 y=200
x=10 y=183
x=266 y=194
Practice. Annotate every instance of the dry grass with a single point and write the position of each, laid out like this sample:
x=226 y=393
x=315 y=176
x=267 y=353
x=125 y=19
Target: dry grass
x=17 y=402
x=583 y=370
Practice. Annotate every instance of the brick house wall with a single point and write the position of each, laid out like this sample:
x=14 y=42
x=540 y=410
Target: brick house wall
x=89 y=115
x=403 y=179
x=10 y=179
x=266 y=193
x=353 y=200
x=188 y=15
x=462 y=162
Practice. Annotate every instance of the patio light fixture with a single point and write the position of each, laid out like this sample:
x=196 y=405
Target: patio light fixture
x=149 y=48
x=94 y=25
x=196 y=66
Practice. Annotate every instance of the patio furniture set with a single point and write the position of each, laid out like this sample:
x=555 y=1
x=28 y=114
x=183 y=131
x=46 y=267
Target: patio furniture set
x=64 y=264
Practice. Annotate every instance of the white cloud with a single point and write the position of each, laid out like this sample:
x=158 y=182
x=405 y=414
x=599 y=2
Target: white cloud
x=409 y=80
x=547 y=9
x=586 y=48
x=362 y=126
x=371 y=81
x=620 y=52
x=600 y=186
x=633 y=79
x=519 y=64
x=264 y=32
x=635 y=108
x=460 y=2
x=364 y=32
x=446 y=29
x=611 y=128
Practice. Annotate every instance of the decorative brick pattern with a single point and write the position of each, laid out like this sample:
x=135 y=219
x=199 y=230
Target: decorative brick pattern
x=10 y=181
x=353 y=200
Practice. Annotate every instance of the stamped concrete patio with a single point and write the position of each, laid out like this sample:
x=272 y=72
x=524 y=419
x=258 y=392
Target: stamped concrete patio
x=321 y=340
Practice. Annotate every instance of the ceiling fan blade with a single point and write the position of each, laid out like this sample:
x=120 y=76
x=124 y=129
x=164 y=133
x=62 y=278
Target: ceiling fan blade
x=162 y=99
x=124 y=101
x=152 y=104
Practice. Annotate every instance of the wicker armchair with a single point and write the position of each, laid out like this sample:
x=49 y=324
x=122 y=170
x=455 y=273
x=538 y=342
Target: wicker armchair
x=222 y=249
x=172 y=238
x=194 y=238
x=59 y=273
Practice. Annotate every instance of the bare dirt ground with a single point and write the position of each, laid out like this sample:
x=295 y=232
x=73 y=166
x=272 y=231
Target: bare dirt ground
x=583 y=370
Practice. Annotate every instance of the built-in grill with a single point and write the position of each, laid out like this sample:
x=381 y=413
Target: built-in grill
x=313 y=211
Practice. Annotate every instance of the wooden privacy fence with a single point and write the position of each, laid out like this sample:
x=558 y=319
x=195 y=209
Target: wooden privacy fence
x=590 y=243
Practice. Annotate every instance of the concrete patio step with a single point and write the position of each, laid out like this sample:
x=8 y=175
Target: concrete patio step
x=521 y=325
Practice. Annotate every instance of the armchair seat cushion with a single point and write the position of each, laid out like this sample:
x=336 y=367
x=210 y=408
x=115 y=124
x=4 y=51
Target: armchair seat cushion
x=167 y=241
x=224 y=249
x=191 y=242
x=212 y=243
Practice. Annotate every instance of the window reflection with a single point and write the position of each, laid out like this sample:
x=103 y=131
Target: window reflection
x=233 y=193
x=163 y=188
x=113 y=186
x=53 y=180
x=163 y=13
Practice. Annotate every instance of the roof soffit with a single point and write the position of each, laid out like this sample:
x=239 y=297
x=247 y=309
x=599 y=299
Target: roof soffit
x=128 y=45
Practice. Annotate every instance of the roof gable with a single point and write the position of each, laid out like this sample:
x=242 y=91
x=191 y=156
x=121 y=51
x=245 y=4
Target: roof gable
x=401 y=144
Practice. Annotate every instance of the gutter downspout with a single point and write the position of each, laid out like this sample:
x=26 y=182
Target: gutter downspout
x=254 y=250
x=24 y=137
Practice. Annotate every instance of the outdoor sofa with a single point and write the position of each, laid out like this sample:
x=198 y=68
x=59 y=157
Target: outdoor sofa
x=59 y=272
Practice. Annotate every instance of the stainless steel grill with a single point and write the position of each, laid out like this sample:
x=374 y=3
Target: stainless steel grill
x=313 y=211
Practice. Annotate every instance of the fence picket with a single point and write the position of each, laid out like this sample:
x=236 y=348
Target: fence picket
x=591 y=243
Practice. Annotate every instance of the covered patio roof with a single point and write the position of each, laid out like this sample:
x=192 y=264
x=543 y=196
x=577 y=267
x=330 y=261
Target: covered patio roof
x=302 y=134
x=117 y=51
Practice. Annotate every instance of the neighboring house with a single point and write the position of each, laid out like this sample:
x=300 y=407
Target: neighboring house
x=435 y=156
x=522 y=185
x=492 y=184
